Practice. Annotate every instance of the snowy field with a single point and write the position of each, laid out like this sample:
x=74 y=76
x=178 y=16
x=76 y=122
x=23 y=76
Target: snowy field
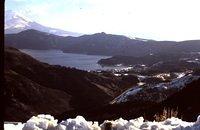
x=47 y=122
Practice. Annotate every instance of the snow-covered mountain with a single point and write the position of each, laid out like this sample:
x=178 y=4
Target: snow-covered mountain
x=156 y=93
x=15 y=23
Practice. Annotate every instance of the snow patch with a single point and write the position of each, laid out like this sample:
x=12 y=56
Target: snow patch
x=179 y=82
x=140 y=83
x=180 y=75
x=117 y=74
x=124 y=96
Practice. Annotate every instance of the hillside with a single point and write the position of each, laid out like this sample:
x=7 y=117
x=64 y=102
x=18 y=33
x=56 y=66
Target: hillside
x=187 y=101
x=30 y=83
x=181 y=93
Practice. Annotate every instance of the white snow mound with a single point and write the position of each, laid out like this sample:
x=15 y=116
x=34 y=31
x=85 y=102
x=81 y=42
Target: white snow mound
x=79 y=123
x=47 y=122
x=40 y=122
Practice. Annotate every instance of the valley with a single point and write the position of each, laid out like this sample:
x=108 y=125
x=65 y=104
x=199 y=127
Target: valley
x=97 y=95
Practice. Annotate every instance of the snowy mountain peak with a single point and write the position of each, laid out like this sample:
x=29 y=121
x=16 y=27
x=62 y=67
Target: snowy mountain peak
x=9 y=15
x=14 y=20
x=15 y=23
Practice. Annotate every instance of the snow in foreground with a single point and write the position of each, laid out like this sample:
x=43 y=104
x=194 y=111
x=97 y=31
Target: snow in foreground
x=47 y=122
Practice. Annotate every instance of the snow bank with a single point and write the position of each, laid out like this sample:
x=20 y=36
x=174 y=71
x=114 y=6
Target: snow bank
x=139 y=124
x=47 y=122
x=41 y=122
x=79 y=123
x=9 y=126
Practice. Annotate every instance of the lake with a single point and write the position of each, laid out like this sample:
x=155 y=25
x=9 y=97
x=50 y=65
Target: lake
x=79 y=61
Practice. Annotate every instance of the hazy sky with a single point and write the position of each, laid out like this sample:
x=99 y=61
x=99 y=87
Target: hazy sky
x=153 y=19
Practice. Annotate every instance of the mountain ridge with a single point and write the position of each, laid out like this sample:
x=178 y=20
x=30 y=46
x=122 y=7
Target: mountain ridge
x=98 y=44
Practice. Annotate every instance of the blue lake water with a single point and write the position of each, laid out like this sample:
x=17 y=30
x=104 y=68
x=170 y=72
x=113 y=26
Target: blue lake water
x=79 y=61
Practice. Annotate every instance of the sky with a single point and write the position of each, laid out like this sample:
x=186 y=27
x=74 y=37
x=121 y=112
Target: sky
x=175 y=20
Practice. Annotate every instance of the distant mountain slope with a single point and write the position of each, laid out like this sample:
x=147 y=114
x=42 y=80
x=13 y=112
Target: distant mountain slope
x=99 y=44
x=108 y=44
x=33 y=39
x=15 y=23
x=33 y=87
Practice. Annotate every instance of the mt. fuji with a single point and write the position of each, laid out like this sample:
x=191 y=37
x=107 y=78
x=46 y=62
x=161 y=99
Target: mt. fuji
x=15 y=23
